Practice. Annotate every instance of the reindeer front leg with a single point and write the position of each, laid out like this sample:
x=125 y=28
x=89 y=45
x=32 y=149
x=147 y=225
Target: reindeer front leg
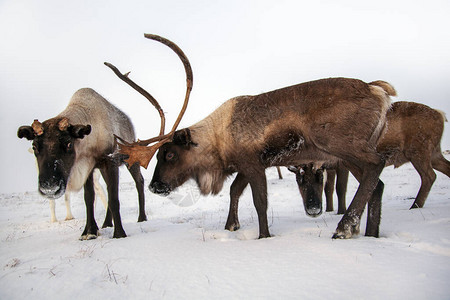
x=52 y=210
x=341 y=188
x=237 y=187
x=258 y=183
x=69 y=215
x=374 y=211
x=111 y=175
x=350 y=222
x=91 y=229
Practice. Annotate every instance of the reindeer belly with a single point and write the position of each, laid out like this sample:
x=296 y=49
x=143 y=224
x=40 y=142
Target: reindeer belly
x=291 y=148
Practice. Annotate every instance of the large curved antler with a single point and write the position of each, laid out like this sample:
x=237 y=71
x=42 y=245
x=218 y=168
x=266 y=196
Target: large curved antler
x=139 y=151
x=143 y=92
x=187 y=69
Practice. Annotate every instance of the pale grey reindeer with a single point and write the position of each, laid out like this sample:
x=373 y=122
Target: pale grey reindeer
x=69 y=146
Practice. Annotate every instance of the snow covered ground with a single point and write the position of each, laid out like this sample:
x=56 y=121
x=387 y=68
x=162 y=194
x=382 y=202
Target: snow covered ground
x=182 y=252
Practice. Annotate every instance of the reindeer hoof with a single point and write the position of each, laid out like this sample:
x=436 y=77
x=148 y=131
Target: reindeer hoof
x=341 y=235
x=119 y=234
x=416 y=205
x=346 y=229
x=88 y=236
x=69 y=218
x=233 y=227
x=373 y=233
x=263 y=236
x=142 y=218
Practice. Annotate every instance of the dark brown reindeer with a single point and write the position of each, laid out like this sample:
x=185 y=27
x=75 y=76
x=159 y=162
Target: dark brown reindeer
x=310 y=181
x=323 y=120
x=414 y=132
x=313 y=180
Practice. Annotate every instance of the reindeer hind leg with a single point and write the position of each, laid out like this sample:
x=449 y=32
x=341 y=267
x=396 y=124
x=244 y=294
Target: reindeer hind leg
x=427 y=176
x=135 y=172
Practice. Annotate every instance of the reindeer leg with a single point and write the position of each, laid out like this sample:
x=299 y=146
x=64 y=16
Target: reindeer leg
x=135 y=171
x=99 y=192
x=329 y=188
x=69 y=215
x=427 y=176
x=91 y=229
x=52 y=210
x=341 y=188
x=439 y=162
x=111 y=176
x=374 y=211
x=258 y=183
x=350 y=222
x=108 y=217
x=237 y=187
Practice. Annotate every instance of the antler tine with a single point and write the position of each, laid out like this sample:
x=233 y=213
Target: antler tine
x=154 y=139
x=121 y=140
x=187 y=68
x=143 y=92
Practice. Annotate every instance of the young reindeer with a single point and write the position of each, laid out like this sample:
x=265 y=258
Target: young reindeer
x=310 y=181
x=313 y=121
x=313 y=181
x=69 y=146
x=413 y=134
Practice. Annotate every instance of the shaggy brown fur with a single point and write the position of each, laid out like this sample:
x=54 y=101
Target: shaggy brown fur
x=322 y=120
x=413 y=134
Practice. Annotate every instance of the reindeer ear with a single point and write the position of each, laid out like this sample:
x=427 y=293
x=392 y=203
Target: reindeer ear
x=79 y=131
x=26 y=132
x=183 y=137
x=293 y=169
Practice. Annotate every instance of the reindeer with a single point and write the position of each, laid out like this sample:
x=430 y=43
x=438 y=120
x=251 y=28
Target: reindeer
x=69 y=146
x=323 y=120
x=99 y=193
x=310 y=181
x=413 y=134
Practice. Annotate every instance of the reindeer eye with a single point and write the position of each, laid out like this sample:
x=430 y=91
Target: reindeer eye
x=69 y=146
x=35 y=149
x=169 y=156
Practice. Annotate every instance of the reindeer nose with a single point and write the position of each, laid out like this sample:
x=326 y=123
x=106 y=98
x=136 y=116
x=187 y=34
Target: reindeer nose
x=313 y=207
x=50 y=189
x=314 y=211
x=158 y=187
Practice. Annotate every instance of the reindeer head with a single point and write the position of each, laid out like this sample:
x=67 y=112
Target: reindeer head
x=54 y=147
x=310 y=181
x=174 y=166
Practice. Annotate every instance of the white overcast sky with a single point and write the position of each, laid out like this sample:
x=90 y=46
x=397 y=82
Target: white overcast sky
x=51 y=48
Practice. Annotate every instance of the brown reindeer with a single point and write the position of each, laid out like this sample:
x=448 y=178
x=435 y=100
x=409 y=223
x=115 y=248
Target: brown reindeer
x=313 y=180
x=414 y=132
x=323 y=120
x=310 y=181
